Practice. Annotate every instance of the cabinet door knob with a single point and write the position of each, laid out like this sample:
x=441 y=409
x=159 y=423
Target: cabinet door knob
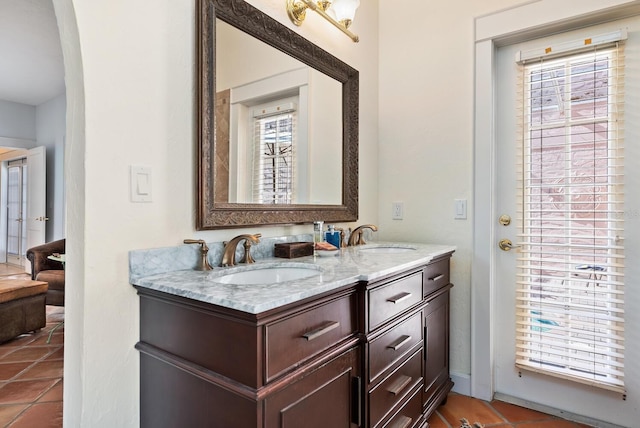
x=437 y=278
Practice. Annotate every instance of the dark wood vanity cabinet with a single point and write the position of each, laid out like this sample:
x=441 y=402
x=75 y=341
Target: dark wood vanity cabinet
x=207 y=366
x=368 y=355
x=407 y=346
x=437 y=382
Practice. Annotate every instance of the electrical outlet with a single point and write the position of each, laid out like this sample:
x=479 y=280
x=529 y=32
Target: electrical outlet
x=397 y=210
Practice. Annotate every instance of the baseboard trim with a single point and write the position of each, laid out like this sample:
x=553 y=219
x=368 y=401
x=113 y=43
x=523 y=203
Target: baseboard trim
x=555 y=412
x=462 y=383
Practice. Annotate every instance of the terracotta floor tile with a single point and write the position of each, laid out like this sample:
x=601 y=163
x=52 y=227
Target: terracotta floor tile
x=9 y=413
x=21 y=340
x=41 y=415
x=25 y=391
x=514 y=413
x=54 y=394
x=9 y=370
x=461 y=406
x=57 y=355
x=436 y=421
x=28 y=353
x=44 y=369
x=555 y=423
x=4 y=350
x=56 y=339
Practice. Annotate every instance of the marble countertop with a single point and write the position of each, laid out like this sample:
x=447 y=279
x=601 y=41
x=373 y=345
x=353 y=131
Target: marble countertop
x=349 y=266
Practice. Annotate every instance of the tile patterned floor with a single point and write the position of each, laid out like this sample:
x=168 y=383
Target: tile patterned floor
x=493 y=414
x=31 y=377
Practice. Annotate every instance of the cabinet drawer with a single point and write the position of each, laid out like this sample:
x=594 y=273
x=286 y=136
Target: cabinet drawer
x=291 y=341
x=322 y=399
x=395 y=388
x=409 y=415
x=395 y=344
x=436 y=275
x=391 y=299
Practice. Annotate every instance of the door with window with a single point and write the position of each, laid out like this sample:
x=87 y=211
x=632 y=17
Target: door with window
x=560 y=266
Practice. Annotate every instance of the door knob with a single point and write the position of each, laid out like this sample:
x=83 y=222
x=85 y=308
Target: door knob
x=507 y=245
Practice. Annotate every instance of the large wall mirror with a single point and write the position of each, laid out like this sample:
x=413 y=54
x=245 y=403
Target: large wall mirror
x=278 y=123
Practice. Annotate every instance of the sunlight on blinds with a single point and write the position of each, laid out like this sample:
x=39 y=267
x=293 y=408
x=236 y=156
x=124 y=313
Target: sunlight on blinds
x=274 y=148
x=570 y=279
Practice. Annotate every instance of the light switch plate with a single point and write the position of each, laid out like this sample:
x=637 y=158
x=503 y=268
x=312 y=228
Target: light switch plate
x=140 y=184
x=460 y=209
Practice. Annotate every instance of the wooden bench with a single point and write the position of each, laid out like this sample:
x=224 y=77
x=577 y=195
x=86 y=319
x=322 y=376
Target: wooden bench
x=22 y=307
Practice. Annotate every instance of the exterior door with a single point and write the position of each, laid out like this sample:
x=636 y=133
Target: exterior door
x=510 y=381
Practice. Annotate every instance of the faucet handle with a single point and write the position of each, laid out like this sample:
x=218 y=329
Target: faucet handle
x=204 y=251
x=247 y=248
x=247 y=253
x=196 y=241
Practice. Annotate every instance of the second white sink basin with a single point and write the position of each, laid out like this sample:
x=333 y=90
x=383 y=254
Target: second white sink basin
x=267 y=275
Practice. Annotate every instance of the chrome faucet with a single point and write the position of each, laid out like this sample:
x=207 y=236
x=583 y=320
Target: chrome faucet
x=203 y=264
x=229 y=252
x=356 y=236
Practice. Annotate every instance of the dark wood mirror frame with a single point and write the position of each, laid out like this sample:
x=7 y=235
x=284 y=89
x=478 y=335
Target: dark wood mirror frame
x=219 y=215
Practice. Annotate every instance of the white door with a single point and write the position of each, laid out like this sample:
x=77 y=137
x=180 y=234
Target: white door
x=511 y=382
x=36 y=217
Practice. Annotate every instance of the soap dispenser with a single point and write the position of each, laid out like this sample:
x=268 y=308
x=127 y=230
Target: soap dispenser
x=332 y=236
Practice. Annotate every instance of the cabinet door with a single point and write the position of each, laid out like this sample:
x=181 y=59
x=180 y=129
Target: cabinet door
x=436 y=347
x=328 y=397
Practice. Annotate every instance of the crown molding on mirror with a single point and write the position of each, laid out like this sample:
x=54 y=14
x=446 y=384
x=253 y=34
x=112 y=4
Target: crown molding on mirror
x=212 y=214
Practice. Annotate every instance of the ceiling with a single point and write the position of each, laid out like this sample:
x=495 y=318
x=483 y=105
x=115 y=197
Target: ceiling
x=31 y=68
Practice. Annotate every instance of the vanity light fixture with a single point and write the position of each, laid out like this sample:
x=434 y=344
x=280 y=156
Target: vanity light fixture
x=340 y=13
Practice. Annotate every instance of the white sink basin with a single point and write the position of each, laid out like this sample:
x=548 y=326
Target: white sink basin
x=386 y=249
x=267 y=275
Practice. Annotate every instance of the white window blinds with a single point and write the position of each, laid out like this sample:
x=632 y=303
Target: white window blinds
x=274 y=157
x=570 y=279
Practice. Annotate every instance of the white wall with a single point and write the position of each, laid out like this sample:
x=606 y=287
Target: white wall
x=50 y=132
x=426 y=136
x=17 y=121
x=131 y=65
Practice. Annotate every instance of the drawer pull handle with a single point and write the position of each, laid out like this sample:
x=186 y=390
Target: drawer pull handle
x=403 y=422
x=400 y=343
x=325 y=328
x=437 y=277
x=399 y=298
x=399 y=385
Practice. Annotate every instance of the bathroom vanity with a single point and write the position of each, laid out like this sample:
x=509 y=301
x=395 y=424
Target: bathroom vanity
x=364 y=341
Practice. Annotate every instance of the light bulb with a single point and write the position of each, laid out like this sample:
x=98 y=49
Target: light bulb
x=344 y=11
